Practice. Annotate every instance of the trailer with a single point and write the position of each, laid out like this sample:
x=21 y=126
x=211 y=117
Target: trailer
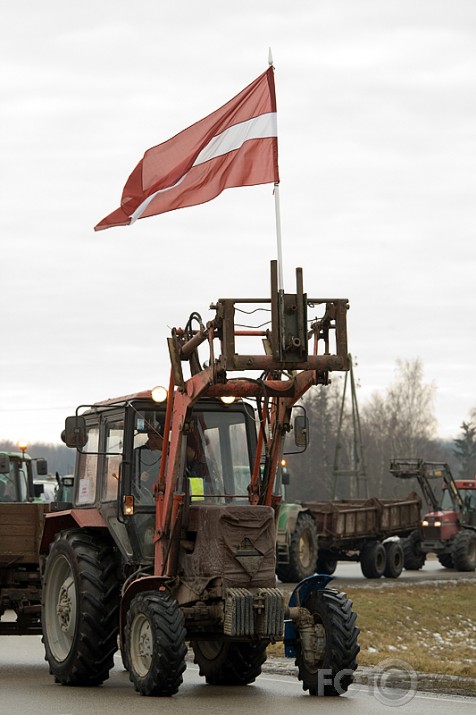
x=313 y=536
x=23 y=510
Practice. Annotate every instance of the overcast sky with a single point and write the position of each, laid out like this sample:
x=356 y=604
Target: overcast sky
x=377 y=154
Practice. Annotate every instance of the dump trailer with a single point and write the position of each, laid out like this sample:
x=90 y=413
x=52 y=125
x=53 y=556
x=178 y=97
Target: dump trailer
x=313 y=536
x=21 y=528
x=449 y=529
x=171 y=539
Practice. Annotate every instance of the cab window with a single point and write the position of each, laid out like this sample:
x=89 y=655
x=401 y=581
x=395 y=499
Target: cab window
x=114 y=447
x=87 y=468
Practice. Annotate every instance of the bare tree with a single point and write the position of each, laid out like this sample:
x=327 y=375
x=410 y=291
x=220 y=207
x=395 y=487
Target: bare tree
x=400 y=424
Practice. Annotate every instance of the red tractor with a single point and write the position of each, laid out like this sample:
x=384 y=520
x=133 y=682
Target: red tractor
x=449 y=530
x=189 y=556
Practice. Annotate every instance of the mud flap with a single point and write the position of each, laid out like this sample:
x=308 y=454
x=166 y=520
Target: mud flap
x=300 y=594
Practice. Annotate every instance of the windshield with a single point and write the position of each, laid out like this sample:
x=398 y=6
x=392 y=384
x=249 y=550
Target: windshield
x=14 y=483
x=467 y=495
x=218 y=460
x=217 y=456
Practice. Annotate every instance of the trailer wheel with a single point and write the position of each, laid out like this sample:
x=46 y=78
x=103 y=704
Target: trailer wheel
x=394 y=561
x=326 y=563
x=464 y=551
x=331 y=672
x=302 y=551
x=155 y=644
x=80 y=603
x=373 y=559
x=413 y=558
x=229 y=663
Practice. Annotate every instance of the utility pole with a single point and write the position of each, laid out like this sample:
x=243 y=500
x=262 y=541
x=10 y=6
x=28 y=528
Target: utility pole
x=356 y=470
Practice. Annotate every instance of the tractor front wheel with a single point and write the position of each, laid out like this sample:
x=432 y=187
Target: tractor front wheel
x=446 y=560
x=330 y=672
x=155 y=644
x=413 y=558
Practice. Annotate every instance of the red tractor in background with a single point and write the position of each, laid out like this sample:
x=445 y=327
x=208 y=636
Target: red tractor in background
x=449 y=530
x=190 y=558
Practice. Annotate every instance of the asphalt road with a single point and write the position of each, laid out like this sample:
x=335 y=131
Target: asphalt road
x=348 y=574
x=26 y=686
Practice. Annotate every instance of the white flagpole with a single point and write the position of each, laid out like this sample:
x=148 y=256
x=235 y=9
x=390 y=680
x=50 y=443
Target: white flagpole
x=278 y=216
x=278 y=237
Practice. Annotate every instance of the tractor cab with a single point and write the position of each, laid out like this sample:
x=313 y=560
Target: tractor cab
x=16 y=476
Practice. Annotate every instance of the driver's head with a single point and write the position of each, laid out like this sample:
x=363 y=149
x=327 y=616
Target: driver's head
x=154 y=439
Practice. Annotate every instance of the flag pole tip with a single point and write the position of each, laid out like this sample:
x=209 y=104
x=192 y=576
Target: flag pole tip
x=270 y=57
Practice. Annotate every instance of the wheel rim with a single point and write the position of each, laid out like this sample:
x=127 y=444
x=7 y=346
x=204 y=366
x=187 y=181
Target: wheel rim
x=305 y=550
x=320 y=642
x=472 y=552
x=61 y=608
x=141 y=646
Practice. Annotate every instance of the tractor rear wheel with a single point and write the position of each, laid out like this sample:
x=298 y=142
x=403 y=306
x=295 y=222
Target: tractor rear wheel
x=331 y=671
x=464 y=551
x=155 y=644
x=80 y=604
x=373 y=559
x=394 y=562
x=229 y=663
x=302 y=551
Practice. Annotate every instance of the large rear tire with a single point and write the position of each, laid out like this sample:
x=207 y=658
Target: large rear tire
x=80 y=605
x=155 y=644
x=373 y=559
x=302 y=552
x=464 y=550
x=332 y=672
x=229 y=663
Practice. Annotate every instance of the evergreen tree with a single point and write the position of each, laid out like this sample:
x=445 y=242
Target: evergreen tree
x=465 y=449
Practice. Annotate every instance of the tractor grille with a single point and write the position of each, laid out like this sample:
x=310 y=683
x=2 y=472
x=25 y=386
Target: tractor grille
x=431 y=533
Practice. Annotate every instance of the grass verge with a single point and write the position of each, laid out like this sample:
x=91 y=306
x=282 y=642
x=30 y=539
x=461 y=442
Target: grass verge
x=431 y=626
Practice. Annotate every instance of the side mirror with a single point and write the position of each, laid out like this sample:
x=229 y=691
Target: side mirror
x=41 y=467
x=301 y=431
x=4 y=464
x=75 y=433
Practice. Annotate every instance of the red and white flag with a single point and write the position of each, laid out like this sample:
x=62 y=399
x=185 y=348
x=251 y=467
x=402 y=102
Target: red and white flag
x=235 y=146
